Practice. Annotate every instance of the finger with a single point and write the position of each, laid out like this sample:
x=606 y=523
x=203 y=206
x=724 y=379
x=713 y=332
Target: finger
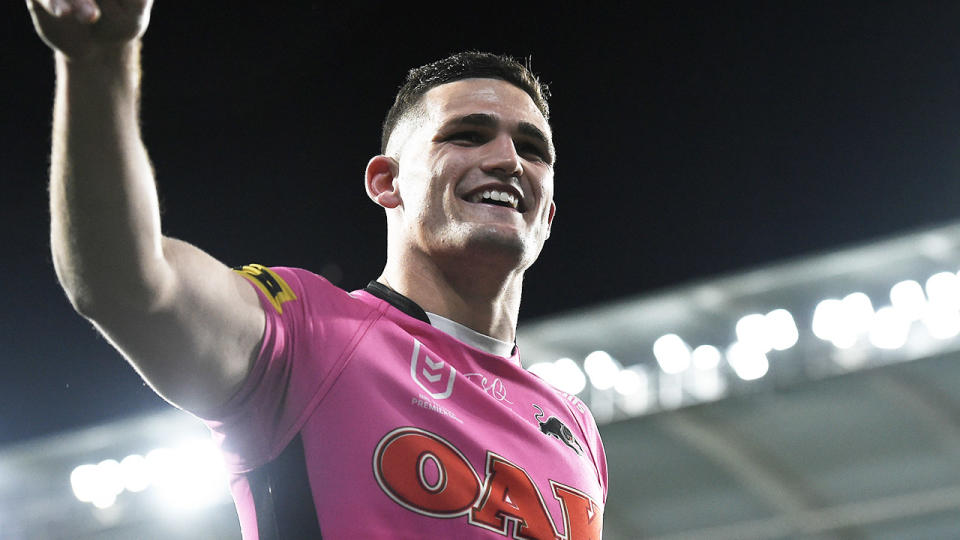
x=59 y=9
x=48 y=7
x=86 y=11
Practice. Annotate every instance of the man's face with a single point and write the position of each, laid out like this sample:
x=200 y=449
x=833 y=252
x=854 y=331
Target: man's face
x=476 y=173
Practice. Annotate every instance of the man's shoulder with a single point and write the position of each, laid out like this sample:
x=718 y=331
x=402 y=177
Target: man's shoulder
x=285 y=286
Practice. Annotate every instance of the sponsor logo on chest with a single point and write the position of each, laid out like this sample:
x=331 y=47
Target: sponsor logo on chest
x=426 y=474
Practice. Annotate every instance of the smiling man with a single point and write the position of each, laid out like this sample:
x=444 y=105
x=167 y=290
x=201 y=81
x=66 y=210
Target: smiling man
x=396 y=411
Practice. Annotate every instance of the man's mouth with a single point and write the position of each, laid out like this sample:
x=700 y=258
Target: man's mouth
x=497 y=198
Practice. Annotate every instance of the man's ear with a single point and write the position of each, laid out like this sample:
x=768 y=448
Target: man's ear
x=553 y=212
x=382 y=172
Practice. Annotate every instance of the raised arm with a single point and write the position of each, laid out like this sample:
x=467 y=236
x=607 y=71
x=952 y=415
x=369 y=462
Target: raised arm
x=187 y=323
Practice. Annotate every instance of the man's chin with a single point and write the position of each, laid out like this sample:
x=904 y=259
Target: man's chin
x=494 y=244
x=484 y=245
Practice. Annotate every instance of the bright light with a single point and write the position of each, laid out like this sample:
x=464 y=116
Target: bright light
x=783 y=329
x=942 y=322
x=191 y=476
x=110 y=476
x=162 y=466
x=706 y=357
x=843 y=321
x=199 y=477
x=602 y=370
x=104 y=499
x=748 y=363
x=890 y=328
x=136 y=475
x=826 y=317
x=943 y=289
x=98 y=484
x=844 y=340
x=908 y=298
x=671 y=353
x=544 y=370
x=858 y=313
x=570 y=378
x=754 y=331
x=563 y=374
x=631 y=381
x=83 y=480
x=706 y=384
x=633 y=387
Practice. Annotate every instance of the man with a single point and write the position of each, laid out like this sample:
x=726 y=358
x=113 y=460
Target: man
x=398 y=411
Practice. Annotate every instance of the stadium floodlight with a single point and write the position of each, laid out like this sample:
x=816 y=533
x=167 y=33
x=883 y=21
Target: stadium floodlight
x=754 y=331
x=858 y=314
x=890 y=329
x=705 y=384
x=104 y=499
x=826 y=317
x=161 y=466
x=564 y=374
x=907 y=298
x=191 y=476
x=943 y=289
x=633 y=387
x=568 y=376
x=97 y=484
x=544 y=370
x=110 y=478
x=783 y=329
x=942 y=321
x=706 y=357
x=136 y=474
x=602 y=370
x=84 y=481
x=842 y=322
x=198 y=479
x=632 y=380
x=748 y=363
x=672 y=353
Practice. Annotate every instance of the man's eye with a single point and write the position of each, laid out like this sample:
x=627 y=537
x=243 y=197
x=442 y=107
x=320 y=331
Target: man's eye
x=532 y=150
x=472 y=137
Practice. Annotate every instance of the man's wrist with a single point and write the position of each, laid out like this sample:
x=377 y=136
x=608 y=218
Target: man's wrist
x=119 y=63
x=101 y=57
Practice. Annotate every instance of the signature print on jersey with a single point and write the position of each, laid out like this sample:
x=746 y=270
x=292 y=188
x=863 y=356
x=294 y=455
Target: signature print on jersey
x=428 y=475
x=495 y=388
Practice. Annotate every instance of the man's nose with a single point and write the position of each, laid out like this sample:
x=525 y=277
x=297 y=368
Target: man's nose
x=501 y=158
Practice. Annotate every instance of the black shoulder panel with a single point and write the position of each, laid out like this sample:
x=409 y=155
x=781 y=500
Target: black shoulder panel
x=282 y=496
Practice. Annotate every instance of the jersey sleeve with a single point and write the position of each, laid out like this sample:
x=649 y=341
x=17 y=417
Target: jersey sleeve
x=290 y=370
x=588 y=426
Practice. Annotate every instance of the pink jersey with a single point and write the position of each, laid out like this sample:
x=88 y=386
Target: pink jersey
x=361 y=420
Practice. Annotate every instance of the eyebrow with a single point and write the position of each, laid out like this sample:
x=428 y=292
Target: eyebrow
x=491 y=121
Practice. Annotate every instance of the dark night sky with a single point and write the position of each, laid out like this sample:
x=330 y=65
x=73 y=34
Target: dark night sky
x=694 y=139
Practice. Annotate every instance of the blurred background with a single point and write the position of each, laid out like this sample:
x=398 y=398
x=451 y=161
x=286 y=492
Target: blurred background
x=752 y=278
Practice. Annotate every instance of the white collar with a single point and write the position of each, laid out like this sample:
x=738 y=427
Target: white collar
x=471 y=337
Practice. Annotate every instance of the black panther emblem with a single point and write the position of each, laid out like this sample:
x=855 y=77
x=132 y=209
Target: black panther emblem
x=553 y=427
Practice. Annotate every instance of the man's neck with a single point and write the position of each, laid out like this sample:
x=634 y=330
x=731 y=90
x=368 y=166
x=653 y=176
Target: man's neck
x=488 y=305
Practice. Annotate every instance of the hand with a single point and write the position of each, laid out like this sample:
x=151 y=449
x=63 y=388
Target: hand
x=81 y=28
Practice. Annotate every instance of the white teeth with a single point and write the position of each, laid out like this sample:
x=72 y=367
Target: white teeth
x=496 y=196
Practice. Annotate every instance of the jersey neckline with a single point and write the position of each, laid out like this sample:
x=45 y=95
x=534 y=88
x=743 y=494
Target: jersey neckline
x=483 y=342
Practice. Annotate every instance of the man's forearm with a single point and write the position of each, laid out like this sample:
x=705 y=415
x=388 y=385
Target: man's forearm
x=105 y=223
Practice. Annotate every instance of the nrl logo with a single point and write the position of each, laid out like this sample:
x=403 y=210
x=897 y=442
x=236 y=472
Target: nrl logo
x=431 y=375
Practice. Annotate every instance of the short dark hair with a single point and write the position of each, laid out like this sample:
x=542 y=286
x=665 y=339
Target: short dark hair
x=463 y=65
